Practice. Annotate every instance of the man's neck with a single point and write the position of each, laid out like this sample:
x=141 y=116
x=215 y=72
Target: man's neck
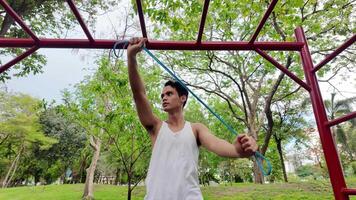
x=176 y=118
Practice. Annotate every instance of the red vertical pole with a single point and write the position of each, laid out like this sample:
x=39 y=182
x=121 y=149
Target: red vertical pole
x=331 y=156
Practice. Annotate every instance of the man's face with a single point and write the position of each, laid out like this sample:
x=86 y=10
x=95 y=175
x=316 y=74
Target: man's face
x=170 y=99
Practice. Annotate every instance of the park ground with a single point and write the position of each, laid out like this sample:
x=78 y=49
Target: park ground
x=313 y=190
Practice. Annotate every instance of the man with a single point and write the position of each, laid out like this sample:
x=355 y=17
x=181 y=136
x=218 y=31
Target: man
x=173 y=169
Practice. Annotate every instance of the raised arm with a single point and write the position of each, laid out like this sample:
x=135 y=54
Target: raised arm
x=144 y=111
x=243 y=147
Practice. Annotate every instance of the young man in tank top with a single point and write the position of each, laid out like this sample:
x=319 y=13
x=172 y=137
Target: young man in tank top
x=173 y=169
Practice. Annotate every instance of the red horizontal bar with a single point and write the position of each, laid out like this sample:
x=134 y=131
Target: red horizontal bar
x=203 y=19
x=283 y=69
x=142 y=19
x=263 y=20
x=80 y=20
x=152 y=44
x=341 y=119
x=18 y=19
x=329 y=57
x=18 y=59
x=349 y=191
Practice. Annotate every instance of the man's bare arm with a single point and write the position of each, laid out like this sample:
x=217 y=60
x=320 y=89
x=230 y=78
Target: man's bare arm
x=144 y=110
x=243 y=147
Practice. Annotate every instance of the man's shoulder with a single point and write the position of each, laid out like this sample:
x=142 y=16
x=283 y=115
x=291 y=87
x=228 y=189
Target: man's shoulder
x=197 y=126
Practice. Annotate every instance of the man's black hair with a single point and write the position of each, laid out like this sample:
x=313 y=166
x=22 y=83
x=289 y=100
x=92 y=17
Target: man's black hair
x=179 y=87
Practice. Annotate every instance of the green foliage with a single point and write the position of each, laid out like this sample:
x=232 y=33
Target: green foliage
x=20 y=132
x=313 y=171
x=62 y=155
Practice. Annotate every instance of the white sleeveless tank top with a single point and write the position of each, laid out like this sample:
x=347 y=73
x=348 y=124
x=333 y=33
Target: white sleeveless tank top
x=173 y=170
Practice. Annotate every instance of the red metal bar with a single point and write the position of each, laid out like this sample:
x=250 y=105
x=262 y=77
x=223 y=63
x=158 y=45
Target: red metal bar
x=18 y=59
x=329 y=57
x=80 y=20
x=153 y=44
x=349 y=191
x=283 y=69
x=18 y=19
x=142 y=19
x=203 y=19
x=341 y=119
x=263 y=20
x=331 y=156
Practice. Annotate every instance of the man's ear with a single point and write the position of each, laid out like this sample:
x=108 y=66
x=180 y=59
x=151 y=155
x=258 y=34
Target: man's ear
x=183 y=98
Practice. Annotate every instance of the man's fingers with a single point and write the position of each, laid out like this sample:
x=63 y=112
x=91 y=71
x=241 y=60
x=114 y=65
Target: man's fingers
x=142 y=41
x=240 y=137
x=245 y=145
x=245 y=139
x=249 y=150
x=134 y=40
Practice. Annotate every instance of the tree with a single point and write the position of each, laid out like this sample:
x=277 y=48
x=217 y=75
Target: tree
x=71 y=140
x=19 y=123
x=289 y=125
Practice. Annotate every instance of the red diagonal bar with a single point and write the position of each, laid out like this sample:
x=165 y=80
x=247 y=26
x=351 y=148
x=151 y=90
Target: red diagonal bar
x=329 y=57
x=18 y=19
x=142 y=19
x=341 y=119
x=283 y=69
x=80 y=20
x=263 y=20
x=153 y=44
x=203 y=19
x=18 y=59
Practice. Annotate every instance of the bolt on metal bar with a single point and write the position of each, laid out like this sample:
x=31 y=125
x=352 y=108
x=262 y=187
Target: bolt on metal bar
x=80 y=20
x=18 y=19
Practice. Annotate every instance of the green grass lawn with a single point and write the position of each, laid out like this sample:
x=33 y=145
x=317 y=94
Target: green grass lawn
x=244 y=191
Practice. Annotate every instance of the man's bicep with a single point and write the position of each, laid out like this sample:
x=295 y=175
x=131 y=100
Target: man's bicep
x=206 y=138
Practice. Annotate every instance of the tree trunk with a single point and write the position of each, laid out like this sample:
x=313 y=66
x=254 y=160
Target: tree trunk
x=83 y=165
x=6 y=24
x=117 y=178
x=129 y=186
x=8 y=21
x=89 y=181
x=12 y=169
x=257 y=174
x=279 y=147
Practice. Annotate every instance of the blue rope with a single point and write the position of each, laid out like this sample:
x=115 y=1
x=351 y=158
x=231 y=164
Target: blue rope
x=258 y=156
